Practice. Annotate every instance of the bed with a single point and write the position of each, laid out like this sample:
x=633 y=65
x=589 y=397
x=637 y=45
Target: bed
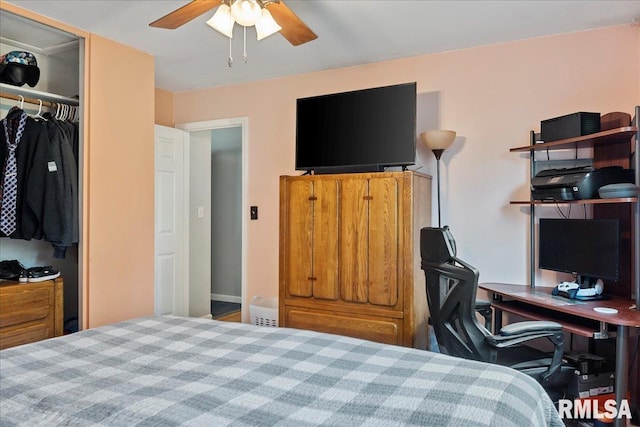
x=169 y=371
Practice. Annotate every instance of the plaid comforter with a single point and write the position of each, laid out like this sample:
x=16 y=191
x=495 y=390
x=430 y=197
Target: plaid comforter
x=168 y=371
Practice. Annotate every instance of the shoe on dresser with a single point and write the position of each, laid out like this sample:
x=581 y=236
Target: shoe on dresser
x=13 y=270
x=40 y=274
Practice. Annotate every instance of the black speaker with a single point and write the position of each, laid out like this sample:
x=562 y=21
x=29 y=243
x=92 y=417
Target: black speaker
x=569 y=126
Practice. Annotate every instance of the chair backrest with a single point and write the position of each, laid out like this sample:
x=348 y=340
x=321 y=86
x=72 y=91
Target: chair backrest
x=451 y=294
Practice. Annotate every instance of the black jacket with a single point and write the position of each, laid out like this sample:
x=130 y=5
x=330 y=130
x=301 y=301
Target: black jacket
x=36 y=176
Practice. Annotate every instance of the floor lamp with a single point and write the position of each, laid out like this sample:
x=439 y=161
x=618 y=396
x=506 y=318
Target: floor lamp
x=438 y=141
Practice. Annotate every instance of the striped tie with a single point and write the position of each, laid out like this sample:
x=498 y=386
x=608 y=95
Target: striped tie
x=10 y=185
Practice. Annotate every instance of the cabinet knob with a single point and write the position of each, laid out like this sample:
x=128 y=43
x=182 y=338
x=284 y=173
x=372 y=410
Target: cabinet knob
x=313 y=198
x=368 y=197
x=312 y=278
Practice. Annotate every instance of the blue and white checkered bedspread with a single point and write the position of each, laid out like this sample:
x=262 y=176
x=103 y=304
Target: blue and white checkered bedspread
x=167 y=371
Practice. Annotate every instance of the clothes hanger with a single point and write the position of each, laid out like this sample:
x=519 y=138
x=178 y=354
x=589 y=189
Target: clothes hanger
x=39 y=113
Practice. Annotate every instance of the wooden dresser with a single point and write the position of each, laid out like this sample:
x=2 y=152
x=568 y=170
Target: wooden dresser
x=350 y=255
x=30 y=311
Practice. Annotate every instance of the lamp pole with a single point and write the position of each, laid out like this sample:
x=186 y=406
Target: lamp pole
x=438 y=154
x=438 y=141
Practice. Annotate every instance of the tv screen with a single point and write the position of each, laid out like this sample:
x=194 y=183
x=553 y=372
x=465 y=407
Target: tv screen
x=587 y=247
x=359 y=129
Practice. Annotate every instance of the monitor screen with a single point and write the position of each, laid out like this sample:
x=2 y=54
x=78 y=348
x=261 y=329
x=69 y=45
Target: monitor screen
x=585 y=247
x=370 y=127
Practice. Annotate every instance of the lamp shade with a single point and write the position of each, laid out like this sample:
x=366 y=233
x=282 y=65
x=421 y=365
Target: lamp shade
x=266 y=25
x=438 y=139
x=222 y=21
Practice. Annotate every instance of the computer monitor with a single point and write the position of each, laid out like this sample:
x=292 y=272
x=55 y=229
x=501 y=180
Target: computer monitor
x=587 y=248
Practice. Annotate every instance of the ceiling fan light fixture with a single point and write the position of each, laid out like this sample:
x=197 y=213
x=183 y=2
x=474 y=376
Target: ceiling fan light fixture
x=222 y=21
x=246 y=12
x=266 y=25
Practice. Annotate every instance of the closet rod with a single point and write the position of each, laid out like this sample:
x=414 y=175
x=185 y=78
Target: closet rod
x=27 y=100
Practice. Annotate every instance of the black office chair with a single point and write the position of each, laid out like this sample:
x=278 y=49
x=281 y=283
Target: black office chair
x=451 y=294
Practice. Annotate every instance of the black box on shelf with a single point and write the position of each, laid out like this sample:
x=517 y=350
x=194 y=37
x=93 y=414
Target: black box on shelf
x=589 y=385
x=586 y=363
x=569 y=126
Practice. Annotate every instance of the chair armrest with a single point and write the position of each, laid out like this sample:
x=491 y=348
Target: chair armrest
x=519 y=332
x=482 y=304
x=531 y=326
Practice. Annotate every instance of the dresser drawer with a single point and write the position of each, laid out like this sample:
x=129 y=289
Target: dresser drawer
x=30 y=312
x=24 y=334
x=25 y=305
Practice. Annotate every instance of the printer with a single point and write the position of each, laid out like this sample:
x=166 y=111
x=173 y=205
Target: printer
x=577 y=183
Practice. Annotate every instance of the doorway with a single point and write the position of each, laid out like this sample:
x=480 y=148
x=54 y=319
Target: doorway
x=217 y=223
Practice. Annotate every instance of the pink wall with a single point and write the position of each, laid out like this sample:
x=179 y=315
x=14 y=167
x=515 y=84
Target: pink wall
x=119 y=190
x=164 y=108
x=492 y=96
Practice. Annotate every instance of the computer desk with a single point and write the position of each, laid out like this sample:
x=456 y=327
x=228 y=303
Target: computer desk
x=577 y=317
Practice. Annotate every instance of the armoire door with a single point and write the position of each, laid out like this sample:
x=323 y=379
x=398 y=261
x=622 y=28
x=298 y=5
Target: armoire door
x=383 y=241
x=325 y=263
x=369 y=232
x=299 y=241
x=354 y=240
x=313 y=240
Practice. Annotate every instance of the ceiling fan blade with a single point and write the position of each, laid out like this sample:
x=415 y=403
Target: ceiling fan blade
x=185 y=14
x=293 y=29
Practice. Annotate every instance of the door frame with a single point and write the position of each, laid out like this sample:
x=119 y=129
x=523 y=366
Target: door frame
x=243 y=123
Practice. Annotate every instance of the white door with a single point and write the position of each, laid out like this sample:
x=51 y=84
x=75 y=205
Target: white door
x=171 y=222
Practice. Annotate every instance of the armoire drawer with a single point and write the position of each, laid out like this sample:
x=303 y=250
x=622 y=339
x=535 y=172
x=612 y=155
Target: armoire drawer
x=380 y=329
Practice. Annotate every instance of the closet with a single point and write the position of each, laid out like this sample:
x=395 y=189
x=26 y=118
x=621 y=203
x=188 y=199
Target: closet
x=115 y=89
x=54 y=100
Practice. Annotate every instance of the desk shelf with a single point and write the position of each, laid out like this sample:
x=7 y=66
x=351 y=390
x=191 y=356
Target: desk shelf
x=575 y=326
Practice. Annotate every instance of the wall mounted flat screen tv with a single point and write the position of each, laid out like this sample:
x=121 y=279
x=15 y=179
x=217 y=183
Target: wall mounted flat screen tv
x=586 y=247
x=363 y=130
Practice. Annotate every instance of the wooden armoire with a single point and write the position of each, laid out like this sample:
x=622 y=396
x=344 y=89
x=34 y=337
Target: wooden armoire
x=350 y=255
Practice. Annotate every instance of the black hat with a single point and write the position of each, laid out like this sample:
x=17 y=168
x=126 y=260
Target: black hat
x=18 y=68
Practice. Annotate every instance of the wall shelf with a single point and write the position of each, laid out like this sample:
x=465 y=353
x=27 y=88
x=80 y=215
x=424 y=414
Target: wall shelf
x=607 y=137
x=575 y=202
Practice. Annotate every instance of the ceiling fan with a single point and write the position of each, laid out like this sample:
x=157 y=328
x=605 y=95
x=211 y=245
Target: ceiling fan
x=293 y=29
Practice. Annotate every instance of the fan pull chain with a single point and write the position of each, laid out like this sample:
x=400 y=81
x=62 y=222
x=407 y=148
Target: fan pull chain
x=244 y=52
x=230 y=60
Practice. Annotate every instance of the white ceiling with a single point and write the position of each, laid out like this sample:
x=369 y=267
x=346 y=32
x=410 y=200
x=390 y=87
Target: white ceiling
x=350 y=32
